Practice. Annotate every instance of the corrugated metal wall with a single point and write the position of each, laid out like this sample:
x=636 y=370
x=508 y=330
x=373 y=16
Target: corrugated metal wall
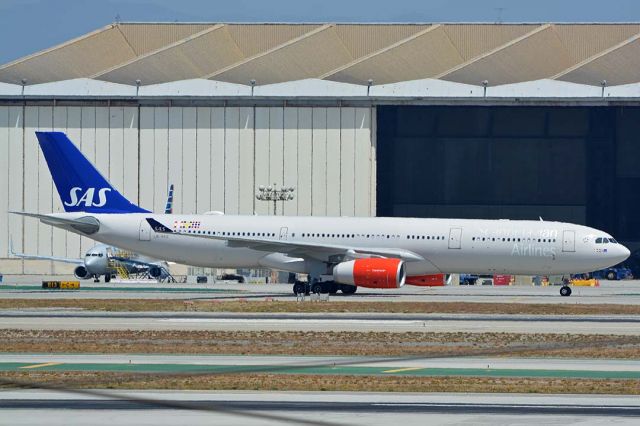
x=215 y=156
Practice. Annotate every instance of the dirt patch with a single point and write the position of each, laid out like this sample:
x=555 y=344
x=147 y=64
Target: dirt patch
x=146 y=305
x=319 y=343
x=286 y=382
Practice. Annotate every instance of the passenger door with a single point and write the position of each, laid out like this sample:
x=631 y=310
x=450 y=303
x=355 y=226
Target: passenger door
x=455 y=237
x=145 y=231
x=283 y=232
x=569 y=241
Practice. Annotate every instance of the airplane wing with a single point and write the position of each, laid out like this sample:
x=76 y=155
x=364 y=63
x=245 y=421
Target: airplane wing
x=312 y=249
x=36 y=257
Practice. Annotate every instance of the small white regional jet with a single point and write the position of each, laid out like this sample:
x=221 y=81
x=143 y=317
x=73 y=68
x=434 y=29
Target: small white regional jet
x=336 y=252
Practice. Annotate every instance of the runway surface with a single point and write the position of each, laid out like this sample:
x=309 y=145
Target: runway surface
x=71 y=319
x=340 y=408
x=340 y=365
x=616 y=292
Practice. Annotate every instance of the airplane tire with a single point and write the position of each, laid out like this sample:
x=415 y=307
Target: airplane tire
x=565 y=291
x=316 y=288
x=299 y=288
x=611 y=276
x=348 y=289
x=107 y=278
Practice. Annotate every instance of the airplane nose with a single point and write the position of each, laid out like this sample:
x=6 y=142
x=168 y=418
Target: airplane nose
x=625 y=253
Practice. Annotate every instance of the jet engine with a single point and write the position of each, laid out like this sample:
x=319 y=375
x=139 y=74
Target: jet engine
x=81 y=273
x=431 y=280
x=155 y=272
x=372 y=273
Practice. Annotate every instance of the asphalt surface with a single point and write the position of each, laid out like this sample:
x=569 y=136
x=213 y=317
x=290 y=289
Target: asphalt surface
x=70 y=319
x=614 y=292
x=328 y=408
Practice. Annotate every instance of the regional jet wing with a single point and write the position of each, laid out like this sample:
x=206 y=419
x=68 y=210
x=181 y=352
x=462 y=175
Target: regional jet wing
x=316 y=250
x=36 y=257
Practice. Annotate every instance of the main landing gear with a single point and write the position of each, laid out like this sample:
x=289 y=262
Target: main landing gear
x=323 y=287
x=565 y=291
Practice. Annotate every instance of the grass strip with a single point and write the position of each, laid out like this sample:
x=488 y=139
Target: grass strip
x=293 y=382
x=319 y=343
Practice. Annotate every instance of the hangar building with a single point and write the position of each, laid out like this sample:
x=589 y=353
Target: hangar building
x=429 y=120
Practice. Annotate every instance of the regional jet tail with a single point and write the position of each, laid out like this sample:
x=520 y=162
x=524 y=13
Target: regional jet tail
x=81 y=186
x=335 y=252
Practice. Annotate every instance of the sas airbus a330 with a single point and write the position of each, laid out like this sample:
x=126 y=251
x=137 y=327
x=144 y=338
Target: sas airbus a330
x=337 y=253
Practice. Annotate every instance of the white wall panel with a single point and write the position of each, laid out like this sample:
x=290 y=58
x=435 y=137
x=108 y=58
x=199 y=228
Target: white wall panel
x=363 y=162
x=16 y=180
x=333 y=161
x=276 y=151
x=175 y=157
x=246 y=169
x=203 y=159
x=231 y=160
x=305 y=156
x=161 y=159
x=319 y=164
x=102 y=141
x=217 y=159
x=116 y=148
x=88 y=146
x=4 y=179
x=130 y=154
x=67 y=243
x=45 y=183
x=31 y=169
x=146 y=158
x=262 y=156
x=189 y=146
x=290 y=155
x=347 y=161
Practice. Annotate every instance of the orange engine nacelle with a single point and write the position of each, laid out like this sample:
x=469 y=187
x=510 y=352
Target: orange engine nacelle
x=433 y=280
x=372 y=273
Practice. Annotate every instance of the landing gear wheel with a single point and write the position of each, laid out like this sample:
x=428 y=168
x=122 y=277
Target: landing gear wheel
x=107 y=278
x=316 y=288
x=348 y=289
x=565 y=291
x=611 y=275
x=299 y=288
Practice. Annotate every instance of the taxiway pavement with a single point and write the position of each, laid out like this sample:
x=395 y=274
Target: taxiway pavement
x=71 y=319
x=26 y=407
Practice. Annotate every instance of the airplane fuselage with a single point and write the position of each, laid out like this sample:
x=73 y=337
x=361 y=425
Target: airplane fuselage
x=447 y=245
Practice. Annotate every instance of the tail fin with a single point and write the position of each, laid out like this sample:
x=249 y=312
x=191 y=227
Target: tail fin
x=81 y=186
x=168 y=209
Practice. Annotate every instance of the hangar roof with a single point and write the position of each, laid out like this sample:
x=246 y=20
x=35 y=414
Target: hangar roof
x=156 y=53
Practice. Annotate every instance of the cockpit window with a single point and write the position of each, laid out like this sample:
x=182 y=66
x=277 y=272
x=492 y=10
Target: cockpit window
x=598 y=240
x=100 y=255
x=612 y=240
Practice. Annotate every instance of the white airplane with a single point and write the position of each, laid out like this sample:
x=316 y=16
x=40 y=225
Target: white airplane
x=337 y=253
x=99 y=259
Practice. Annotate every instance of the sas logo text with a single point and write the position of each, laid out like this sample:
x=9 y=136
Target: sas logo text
x=86 y=198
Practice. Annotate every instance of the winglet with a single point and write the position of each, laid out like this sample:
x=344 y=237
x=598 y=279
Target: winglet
x=158 y=227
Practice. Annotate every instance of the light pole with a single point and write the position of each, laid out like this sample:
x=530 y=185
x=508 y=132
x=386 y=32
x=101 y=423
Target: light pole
x=275 y=194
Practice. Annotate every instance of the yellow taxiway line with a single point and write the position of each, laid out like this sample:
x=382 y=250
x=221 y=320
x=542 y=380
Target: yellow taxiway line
x=399 y=370
x=46 y=364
